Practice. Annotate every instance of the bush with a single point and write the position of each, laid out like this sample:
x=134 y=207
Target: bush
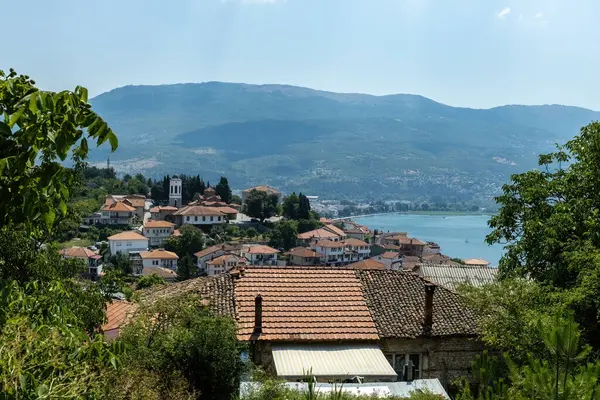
x=149 y=281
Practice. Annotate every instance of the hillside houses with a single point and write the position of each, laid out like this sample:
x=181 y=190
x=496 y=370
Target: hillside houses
x=127 y=242
x=160 y=213
x=199 y=216
x=159 y=258
x=137 y=201
x=157 y=232
x=91 y=259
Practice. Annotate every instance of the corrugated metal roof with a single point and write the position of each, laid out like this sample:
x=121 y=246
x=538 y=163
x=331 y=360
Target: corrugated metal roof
x=451 y=276
x=332 y=362
x=374 y=389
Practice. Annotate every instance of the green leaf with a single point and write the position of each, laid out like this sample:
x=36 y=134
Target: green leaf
x=42 y=390
x=84 y=145
x=62 y=206
x=15 y=117
x=33 y=102
x=5 y=129
x=114 y=142
x=83 y=93
x=49 y=217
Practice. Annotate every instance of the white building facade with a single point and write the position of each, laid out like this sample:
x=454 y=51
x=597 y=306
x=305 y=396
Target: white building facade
x=175 y=190
x=159 y=258
x=127 y=242
x=158 y=232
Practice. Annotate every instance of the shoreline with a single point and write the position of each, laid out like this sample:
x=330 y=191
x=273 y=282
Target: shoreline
x=432 y=213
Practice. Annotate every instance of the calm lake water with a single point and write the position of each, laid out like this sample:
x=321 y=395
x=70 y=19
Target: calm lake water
x=450 y=232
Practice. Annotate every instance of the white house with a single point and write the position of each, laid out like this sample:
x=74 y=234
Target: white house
x=223 y=263
x=199 y=215
x=159 y=258
x=333 y=252
x=92 y=260
x=117 y=213
x=212 y=252
x=260 y=254
x=356 y=250
x=157 y=232
x=390 y=259
x=126 y=242
x=159 y=213
x=137 y=201
x=318 y=235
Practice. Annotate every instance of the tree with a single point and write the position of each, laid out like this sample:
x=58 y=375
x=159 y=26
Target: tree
x=251 y=233
x=224 y=190
x=120 y=262
x=149 y=281
x=38 y=130
x=235 y=199
x=303 y=207
x=549 y=224
x=284 y=235
x=178 y=336
x=186 y=268
x=290 y=207
x=261 y=205
x=189 y=242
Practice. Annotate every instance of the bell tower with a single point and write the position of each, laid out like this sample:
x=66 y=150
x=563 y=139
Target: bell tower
x=175 y=185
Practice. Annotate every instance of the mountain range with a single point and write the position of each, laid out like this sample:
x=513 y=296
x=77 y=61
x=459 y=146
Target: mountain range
x=334 y=145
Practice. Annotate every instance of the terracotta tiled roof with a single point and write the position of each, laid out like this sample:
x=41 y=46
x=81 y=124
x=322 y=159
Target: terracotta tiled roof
x=304 y=252
x=397 y=301
x=128 y=235
x=318 y=234
x=390 y=255
x=227 y=210
x=118 y=314
x=216 y=291
x=407 y=240
x=77 y=252
x=324 y=220
x=198 y=210
x=222 y=260
x=118 y=206
x=159 y=254
x=391 y=247
x=367 y=264
x=209 y=250
x=355 y=242
x=259 y=249
x=329 y=243
x=300 y=304
x=263 y=188
x=158 y=224
x=136 y=202
x=159 y=209
x=335 y=230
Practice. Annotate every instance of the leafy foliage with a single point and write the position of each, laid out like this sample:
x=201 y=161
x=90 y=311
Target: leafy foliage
x=261 y=205
x=224 y=190
x=549 y=221
x=38 y=129
x=147 y=281
x=189 y=242
x=174 y=337
x=186 y=268
x=284 y=235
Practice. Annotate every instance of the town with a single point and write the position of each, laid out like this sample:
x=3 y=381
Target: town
x=291 y=279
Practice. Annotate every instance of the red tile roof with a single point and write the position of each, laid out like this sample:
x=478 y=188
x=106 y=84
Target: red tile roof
x=259 y=249
x=329 y=243
x=158 y=224
x=390 y=255
x=128 y=235
x=304 y=252
x=227 y=210
x=159 y=254
x=367 y=264
x=77 y=252
x=118 y=314
x=118 y=206
x=159 y=209
x=199 y=210
x=318 y=234
x=301 y=304
x=355 y=242
x=222 y=260
x=335 y=230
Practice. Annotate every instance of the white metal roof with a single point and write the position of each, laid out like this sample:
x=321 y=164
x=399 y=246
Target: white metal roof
x=332 y=361
x=451 y=276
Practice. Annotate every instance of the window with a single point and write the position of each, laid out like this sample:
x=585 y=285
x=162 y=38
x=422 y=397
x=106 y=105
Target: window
x=211 y=218
x=203 y=218
x=407 y=366
x=218 y=218
x=128 y=244
x=119 y=244
x=187 y=218
x=154 y=262
x=196 y=218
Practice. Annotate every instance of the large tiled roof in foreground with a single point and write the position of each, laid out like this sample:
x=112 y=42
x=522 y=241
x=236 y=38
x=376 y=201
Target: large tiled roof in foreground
x=303 y=304
x=397 y=301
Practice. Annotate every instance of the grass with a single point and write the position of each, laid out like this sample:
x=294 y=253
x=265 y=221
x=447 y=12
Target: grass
x=76 y=242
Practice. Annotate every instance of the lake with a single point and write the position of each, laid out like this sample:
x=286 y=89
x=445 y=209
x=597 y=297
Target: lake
x=451 y=232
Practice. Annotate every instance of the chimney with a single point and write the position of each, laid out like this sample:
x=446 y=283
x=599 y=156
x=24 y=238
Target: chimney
x=429 y=290
x=258 y=314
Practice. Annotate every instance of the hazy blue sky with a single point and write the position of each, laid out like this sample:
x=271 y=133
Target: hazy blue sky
x=476 y=53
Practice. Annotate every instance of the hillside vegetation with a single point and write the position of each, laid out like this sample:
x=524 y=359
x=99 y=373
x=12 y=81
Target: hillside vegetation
x=330 y=144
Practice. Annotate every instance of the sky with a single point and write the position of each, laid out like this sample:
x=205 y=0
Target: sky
x=472 y=53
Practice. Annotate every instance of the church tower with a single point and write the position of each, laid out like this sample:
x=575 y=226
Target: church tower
x=175 y=192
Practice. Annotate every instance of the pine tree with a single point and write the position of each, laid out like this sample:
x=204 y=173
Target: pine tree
x=186 y=268
x=224 y=190
x=304 y=207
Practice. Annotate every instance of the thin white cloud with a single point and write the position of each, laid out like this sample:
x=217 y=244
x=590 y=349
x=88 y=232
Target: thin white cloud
x=539 y=15
x=253 y=1
x=505 y=11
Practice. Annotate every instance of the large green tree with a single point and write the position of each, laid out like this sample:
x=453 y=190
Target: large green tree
x=261 y=205
x=290 y=207
x=38 y=130
x=224 y=190
x=549 y=222
x=189 y=242
x=284 y=235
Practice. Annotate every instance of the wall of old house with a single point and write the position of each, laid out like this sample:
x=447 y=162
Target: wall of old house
x=446 y=359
